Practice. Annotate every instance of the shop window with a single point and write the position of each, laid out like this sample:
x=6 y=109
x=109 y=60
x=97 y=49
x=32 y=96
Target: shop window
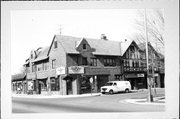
x=117 y=77
x=54 y=84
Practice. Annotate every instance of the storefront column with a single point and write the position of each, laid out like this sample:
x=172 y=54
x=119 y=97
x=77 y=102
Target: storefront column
x=75 y=86
x=95 y=83
x=62 y=86
x=48 y=85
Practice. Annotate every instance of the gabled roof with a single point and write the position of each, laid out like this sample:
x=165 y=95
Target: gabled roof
x=102 y=47
x=41 y=54
x=125 y=45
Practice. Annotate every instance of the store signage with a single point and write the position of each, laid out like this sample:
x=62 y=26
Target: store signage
x=140 y=75
x=91 y=80
x=60 y=70
x=156 y=74
x=30 y=85
x=76 y=70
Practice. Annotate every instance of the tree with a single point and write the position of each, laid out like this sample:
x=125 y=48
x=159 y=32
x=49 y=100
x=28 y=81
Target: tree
x=155 y=28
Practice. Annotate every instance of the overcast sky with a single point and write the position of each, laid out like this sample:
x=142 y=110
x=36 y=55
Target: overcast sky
x=33 y=29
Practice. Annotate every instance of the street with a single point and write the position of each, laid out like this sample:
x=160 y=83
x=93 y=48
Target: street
x=103 y=103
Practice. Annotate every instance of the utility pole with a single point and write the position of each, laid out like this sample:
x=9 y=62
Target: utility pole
x=150 y=96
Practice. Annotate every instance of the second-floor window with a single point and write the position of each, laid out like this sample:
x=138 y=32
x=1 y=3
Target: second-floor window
x=93 y=62
x=53 y=63
x=84 y=61
x=109 y=62
x=34 y=68
x=84 y=46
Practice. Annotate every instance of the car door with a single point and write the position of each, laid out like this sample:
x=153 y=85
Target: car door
x=116 y=88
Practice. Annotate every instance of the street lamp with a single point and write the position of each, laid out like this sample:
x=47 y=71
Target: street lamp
x=150 y=96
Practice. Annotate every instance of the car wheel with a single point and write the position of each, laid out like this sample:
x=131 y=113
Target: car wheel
x=111 y=92
x=127 y=90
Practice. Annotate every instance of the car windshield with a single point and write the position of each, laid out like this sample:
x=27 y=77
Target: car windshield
x=108 y=84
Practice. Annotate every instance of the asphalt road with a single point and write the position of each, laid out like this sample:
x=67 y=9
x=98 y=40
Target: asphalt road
x=103 y=103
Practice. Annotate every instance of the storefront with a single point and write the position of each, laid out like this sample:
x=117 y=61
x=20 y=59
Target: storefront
x=137 y=80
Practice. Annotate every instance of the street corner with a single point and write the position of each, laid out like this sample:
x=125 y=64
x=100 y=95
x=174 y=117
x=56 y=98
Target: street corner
x=144 y=101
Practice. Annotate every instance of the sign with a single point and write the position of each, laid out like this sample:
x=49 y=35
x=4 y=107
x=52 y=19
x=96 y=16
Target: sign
x=156 y=74
x=91 y=80
x=76 y=70
x=140 y=75
x=30 y=85
x=60 y=70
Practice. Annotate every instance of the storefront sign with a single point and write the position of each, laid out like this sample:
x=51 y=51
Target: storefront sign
x=140 y=75
x=60 y=70
x=91 y=80
x=76 y=70
x=30 y=85
x=156 y=74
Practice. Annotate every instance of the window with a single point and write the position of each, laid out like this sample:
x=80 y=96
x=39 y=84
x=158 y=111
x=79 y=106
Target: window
x=53 y=63
x=34 y=68
x=109 y=62
x=54 y=84
x=84 y=61
x=55 y=44
x=46 y=66
x=84 y=46
x=93 y=62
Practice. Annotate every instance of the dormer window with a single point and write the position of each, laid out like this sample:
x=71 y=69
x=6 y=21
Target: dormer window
x=55 y=44
x=84 y=46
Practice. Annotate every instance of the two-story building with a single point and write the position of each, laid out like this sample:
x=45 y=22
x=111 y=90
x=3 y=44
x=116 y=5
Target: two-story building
x=67 y=66
x=156 y=64
x=134 y=65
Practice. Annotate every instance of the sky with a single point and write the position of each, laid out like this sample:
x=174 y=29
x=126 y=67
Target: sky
x=31 y=29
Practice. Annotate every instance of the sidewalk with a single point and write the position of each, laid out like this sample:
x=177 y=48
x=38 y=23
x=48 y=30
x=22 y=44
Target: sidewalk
x=156 y=101
x=36 y=96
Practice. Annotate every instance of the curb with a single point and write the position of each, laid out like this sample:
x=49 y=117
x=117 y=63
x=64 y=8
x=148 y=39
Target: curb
x=54 y=96
x=142 y=101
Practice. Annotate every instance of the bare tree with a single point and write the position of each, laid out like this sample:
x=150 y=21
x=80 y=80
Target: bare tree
x=155 y=27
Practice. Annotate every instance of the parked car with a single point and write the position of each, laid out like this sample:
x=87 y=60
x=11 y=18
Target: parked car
x=116 y=86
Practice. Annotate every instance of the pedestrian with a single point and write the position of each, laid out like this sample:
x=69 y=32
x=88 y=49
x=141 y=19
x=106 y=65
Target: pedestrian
x=18 y=90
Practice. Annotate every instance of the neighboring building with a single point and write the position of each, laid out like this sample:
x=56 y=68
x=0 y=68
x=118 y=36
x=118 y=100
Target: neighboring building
x=156 y=64
x=67 y=65
x=19 y=81
x=134 y=65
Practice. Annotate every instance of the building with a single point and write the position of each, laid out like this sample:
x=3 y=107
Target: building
x=67 y=66
x=72 y=65
x=19 y=81
x=134 y=64
x=156 y=64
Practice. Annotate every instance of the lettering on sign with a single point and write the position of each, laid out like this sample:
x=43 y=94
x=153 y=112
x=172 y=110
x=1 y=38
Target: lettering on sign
x=76 y=70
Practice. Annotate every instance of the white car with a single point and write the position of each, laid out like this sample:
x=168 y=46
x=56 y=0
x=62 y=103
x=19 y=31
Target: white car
x=116 y=86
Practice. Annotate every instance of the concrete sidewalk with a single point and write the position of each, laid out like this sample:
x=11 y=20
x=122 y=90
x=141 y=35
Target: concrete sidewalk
x=156 y=101
x=53 y=96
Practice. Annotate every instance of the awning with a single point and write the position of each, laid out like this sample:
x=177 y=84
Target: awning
x=18 y=77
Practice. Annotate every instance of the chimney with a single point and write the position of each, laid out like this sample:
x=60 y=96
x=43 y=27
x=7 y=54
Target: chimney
x=103 y=37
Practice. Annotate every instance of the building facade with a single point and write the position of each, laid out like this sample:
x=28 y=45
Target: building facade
x=72 y=65
x=67 y=66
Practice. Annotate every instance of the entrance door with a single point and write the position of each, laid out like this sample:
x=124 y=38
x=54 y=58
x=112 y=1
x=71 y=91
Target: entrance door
x=69 y=86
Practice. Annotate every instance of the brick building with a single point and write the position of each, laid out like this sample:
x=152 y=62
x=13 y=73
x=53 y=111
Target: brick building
x=67 y=65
